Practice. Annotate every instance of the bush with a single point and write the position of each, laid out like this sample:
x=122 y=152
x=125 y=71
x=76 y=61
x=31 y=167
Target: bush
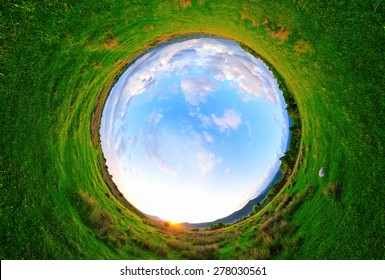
x=162 y=251
x=217 y=226
x=260 y=254
x=257 y=208
x=333 y=190
x=205 y=252
x=178 y=245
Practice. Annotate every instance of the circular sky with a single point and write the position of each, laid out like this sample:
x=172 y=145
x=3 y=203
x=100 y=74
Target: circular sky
x=194 y=129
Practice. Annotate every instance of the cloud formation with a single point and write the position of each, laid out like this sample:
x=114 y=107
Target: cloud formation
x=196 y=89
x=173 y=120
x=206 y=161
x=229 y=120
x=208 y=137
x=204 y=158
x=220 y=58
x=152 y=145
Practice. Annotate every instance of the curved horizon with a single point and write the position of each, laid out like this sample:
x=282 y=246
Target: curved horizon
x=193 y=130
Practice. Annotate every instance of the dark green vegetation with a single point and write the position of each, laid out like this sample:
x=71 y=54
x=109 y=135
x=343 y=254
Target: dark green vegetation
x=57 y=57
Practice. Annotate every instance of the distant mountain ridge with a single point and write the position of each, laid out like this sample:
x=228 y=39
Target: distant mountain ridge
x=234 y=217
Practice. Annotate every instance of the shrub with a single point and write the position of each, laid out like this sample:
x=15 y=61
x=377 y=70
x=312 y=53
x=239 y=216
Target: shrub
x=144 y=243
x=260 y=254
x=162 y=251
x=205 y=252
x=217 y=226
x=178 y=245
x=208 y=252
x=257 y=208
x=333 y=190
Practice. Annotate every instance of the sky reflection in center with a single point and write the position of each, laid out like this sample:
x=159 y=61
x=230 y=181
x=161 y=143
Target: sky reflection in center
x=194 y=129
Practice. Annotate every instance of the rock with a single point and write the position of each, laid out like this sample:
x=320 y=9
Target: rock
x=321 y=172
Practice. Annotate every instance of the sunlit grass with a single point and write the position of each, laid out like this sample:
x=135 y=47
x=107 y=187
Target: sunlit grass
x=59 y=57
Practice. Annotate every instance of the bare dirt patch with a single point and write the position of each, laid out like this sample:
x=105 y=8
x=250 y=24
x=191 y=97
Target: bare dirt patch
x=303 y=46
x=247 y=16
x=281 y=34
x=277 y=30
x=110 y=43
x=96 y=64
x=185 y=3
x=149 y=28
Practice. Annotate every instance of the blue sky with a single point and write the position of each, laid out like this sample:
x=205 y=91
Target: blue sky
x=193 y=130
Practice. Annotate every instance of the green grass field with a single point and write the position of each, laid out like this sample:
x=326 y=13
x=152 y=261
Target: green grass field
x=58 y=57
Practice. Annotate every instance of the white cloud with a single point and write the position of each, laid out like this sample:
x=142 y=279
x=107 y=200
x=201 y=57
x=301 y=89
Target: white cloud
x=159 y=163
x=193 y=111
x=205 y=120
x=208 y=137
x=155 y=118
x=221 y=59
x=152 y=144
x=274 y=119
x=206 y=161
x=229 y=120
x=196 y=89
x=203 y=158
